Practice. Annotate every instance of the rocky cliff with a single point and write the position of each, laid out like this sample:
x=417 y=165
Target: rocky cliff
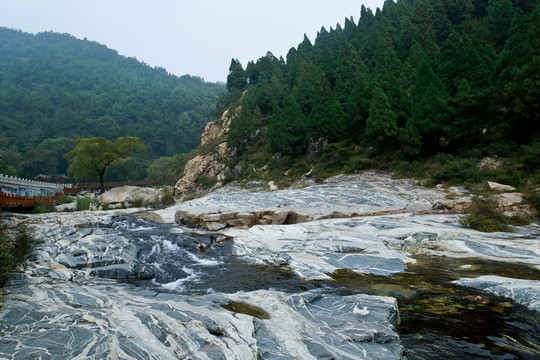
x=209 y=170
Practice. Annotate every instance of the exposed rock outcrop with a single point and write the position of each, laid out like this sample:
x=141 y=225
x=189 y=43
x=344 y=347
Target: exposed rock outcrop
x=210 y=166
x=216 y=130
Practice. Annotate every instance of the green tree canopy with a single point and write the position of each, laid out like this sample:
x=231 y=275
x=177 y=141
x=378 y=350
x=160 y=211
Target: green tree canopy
x=381 y=126
x=93 y=156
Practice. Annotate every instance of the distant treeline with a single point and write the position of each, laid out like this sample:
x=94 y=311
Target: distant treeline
x=55 y=88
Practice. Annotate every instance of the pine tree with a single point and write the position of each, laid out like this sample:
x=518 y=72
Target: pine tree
x=327 y=119
x=430 y=116
x=287 y=132
x=499 y=17
x=381 y=126
x=519 y=74
x=237 y=79
x=306 y=91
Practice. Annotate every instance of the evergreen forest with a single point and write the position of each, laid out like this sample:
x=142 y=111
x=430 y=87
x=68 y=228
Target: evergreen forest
x=419 y=86
x=55 y=88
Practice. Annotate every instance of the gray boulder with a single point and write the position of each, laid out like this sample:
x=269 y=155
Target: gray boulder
x=131 y=195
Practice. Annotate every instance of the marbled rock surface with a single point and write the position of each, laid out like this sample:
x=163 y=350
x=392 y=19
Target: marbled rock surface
x=340 y=196
x=344 y=237
x=71 y=301
x=379 y=245
x=104 y=320
x=524 y=292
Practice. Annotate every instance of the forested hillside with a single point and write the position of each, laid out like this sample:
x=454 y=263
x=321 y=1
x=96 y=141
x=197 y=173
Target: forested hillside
x=55 y=88
x=449 y=81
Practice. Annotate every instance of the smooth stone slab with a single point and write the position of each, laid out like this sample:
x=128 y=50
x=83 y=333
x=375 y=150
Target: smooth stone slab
x=524 y=292
x=103 y=320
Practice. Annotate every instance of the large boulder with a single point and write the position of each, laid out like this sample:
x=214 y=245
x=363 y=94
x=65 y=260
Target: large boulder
x=131 y=195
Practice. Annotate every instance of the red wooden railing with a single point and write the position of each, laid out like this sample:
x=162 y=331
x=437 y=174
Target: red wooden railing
x=7 y=200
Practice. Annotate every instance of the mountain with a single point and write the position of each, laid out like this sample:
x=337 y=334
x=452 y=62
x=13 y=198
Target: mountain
x=55 y=88
x=422 y=86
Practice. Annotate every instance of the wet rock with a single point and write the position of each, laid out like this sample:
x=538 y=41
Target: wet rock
x=524 y=292
x=77 y=320
x=118 y=271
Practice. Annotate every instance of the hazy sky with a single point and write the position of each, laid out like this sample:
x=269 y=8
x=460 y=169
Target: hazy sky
x=196 y=37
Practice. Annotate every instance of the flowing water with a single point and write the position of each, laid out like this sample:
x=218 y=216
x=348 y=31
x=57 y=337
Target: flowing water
x=438 y=319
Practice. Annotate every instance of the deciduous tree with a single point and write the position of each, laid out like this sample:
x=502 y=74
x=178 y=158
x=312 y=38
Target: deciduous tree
x=93 y=156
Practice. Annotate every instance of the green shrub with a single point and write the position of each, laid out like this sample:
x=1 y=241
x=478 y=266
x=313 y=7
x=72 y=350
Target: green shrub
x=42 y=207
x=206 y=182
x=455 y=170
x=483 y=215
x=533 y=199
x=15 y=244
x=84 y=203
x=65 y=199
x=138 y=203
x=167 y=196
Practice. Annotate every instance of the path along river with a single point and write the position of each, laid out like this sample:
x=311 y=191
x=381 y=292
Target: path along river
x=109 y=285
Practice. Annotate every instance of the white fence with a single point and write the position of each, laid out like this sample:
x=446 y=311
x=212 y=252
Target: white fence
x=23 y=187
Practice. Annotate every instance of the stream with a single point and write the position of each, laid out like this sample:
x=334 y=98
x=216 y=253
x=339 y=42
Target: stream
x=108 y=286
x=439 y=320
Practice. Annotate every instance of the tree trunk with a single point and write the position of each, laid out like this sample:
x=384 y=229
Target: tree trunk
x=101 y=183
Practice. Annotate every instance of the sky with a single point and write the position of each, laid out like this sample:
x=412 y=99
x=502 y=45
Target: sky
x=195 y=37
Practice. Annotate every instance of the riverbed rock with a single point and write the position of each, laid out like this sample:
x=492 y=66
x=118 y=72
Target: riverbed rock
x=366 y=194
x=131 y=195
x=69 y=302
x=75 y=320
x=524 y=292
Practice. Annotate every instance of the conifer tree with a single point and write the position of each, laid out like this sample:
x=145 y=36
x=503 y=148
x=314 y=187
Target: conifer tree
x=327 y=119
x=237 y=79
x=306 y=91
x=381 y=126
x=499 y=17
x=287 y=132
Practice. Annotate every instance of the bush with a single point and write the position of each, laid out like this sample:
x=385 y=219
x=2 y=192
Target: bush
x=533 y=198
x=483 y=215
x=15 y=244
x=206 y=182
x=43 y=207
x=167 y=196
x=65 y=199
x=455 y=170
x=138 y=203
x=84 y=203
